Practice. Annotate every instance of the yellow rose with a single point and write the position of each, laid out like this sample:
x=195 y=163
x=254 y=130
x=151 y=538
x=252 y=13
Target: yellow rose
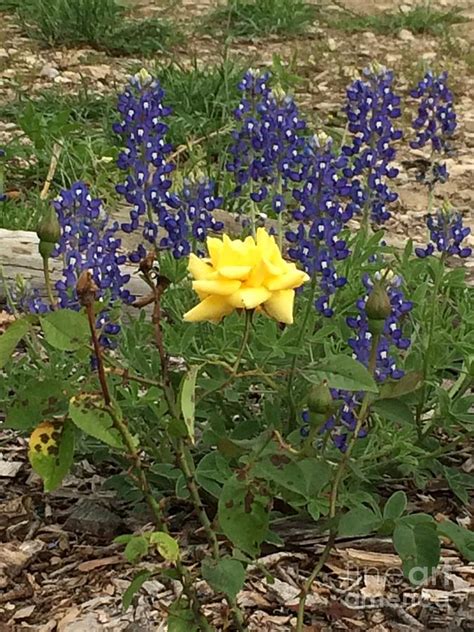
x=246 y=274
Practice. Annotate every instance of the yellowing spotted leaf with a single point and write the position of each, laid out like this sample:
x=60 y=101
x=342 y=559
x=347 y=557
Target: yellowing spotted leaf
x=45 y=438
x=51 y=451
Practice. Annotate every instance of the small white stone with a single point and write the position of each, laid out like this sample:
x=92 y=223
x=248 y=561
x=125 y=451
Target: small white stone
x=406 y=36
x=49 y=72
x=332 y=44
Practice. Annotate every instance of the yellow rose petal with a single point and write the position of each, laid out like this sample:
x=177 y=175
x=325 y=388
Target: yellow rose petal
x=249 y=297
x=218 y=287
x=290 y=280
x=235 y=272
x=200 y=268
x=280 y=306
x=214 y=247
x=212 y=308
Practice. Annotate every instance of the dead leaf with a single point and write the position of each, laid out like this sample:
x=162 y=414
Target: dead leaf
x=9 y=469
x=90 y=565
x=369 y=558
x=14 y=557
x=374 y=586
x=24 y=613
x=69 y=617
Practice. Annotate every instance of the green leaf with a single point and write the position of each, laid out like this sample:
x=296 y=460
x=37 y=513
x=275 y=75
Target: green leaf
x=457 y=483
x=188 y=400
x=10 y=338
x=306 y=477
x=167 y=546
x=181 y=617
x=358 y=522
x=137 y=547
x=343 y=372
x=65 y=329
x=212 y=472
x=51 y=452
x=407 y=384
x=393 y=410
x=87 y=412
x=395 y=506
x=134 y=586
x=243 y=515
x=417 y=544
x=462 y=538
x=36 y=400
x=225 y=575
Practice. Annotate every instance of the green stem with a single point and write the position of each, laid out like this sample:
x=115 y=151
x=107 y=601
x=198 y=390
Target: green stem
x=361 y=417
x=428 y=344
x=47 y=282
x=302 y=335
x=244 y=341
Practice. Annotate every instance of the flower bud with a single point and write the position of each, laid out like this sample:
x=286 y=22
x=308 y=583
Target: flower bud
x=86 y=288
x=378 y=305
x=49 y=229
x=320 y=398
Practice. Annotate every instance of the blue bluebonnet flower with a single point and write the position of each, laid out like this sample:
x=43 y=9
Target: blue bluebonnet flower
x=89 y=242
x=392 y=335
x=268 y=143
x=372 y=106
x=446 y=235
x=25 y=299
x=320 y=216
x=344 y=420
x=168 y=221
x=436 y=119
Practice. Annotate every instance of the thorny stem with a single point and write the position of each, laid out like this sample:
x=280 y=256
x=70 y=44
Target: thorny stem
x=302 y=334
x=185 y=457
x=361 y=417
x=128 y=441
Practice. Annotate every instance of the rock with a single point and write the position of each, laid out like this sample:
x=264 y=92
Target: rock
x=91 y=517
x=98 y=72
x=332 y=44
x=369 y=36
x=406 y=36
x=49 y=72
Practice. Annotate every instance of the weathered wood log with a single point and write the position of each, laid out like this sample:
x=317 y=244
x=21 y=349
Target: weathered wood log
x=19 y=254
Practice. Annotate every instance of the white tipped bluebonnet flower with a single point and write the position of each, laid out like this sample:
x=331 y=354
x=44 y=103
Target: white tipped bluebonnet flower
x=436 y=119
x=168 y=221
x=344 y=420
x=446 y=235
x=372 y=106
x=320 y=216
x=434 y=124
x=268 y=143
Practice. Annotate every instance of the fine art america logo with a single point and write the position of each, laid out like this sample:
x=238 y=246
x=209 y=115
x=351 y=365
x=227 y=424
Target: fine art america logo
x=372 y=587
